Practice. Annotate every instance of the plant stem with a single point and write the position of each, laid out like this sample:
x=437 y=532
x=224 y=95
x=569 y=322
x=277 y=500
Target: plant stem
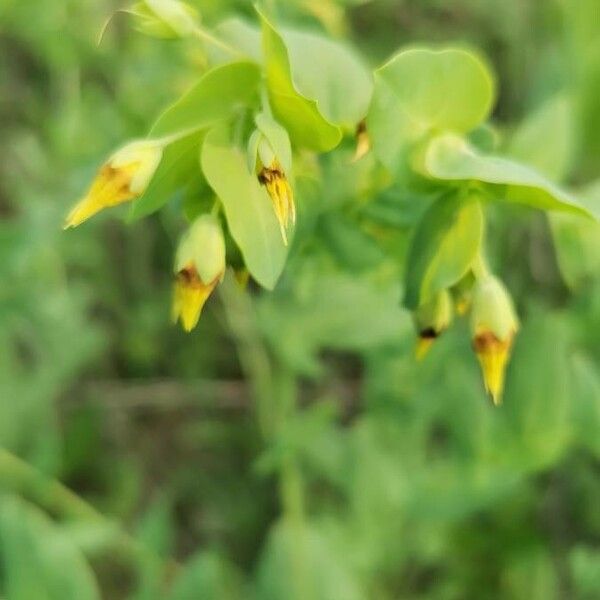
x=252 y=354
x=275 y=394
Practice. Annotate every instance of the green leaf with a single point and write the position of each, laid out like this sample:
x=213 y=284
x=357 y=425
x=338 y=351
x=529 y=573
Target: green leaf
x=299 y=115
x=178 y=167
x=37 y=560
x=212 y=576
x=248 y=207
x=168 y=19
x=444 y=246
x=421 y=91
x=353 y=247
x=577 y=242
x=301 y=561
x=342 y=85
x=539 y=391
x=241 y=35
x=452 y=158
x=219 y=93
x=546 y=139
x=336 y=311
x=331 y=74
x=586 y=407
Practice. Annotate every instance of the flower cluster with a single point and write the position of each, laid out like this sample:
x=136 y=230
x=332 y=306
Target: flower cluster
x=493 y=325
x=200 y=259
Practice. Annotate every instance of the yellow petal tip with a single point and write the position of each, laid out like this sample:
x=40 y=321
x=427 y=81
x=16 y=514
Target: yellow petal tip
x=493 y=355
x=423 y=347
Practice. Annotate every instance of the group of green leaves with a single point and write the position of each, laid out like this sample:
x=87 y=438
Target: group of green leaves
x=261 y=81
x=425 y=112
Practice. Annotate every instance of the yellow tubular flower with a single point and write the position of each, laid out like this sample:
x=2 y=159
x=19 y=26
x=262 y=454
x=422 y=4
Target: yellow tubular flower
x=431 y=320
x=493 y=355
x=282 y=196
x=199 y=266
x=124 y=177
x=189 y=297
x=494 y=325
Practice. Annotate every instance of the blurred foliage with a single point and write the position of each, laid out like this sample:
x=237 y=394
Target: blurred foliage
x=291 y=448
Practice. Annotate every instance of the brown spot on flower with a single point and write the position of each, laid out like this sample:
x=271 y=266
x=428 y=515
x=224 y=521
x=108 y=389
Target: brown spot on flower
x=493 y=354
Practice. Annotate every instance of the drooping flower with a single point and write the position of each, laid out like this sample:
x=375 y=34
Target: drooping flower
x=282 y=196
x=431 y=320
x=199 y=266
x=271 y=174
x=494 y=325
x=124 y=177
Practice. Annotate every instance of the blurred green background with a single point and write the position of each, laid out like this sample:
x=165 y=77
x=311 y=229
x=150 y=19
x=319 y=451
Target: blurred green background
x=290 y=447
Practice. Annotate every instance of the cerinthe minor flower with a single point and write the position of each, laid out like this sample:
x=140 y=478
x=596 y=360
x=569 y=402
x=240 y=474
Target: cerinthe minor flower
x=494 y=325
x=432 y=318
x=124 y=177
x=199 y=266
x=271 y=174
x=363 y=141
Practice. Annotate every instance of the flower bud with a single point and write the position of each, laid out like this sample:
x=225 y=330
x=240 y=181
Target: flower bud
x=494 y=325
x=166 y=19
x=124 y=177
x=271 y=174
x=431 y=320
x=199 y=266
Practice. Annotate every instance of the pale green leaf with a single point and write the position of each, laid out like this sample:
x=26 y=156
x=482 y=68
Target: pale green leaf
x=248 y=207
x=451 y=158
x=420 y=91
x=577 y=242
x=341 y=86
x=444 y=246
x=331 y=74
x=546 y=139
x=219 y=93
x=300 y=116
x=37 y=560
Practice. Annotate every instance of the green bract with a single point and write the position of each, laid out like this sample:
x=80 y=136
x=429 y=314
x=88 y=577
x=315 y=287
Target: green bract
x=219 y=93
x=247 y=206
x=450 y=157
x=444 y=246
x=421 y=91
x=341 y=86
x=299 y=115
x=164 y=18
x=554 y=124
x=577 y=242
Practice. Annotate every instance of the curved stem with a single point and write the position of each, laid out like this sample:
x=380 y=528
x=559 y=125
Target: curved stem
x=275 y=394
